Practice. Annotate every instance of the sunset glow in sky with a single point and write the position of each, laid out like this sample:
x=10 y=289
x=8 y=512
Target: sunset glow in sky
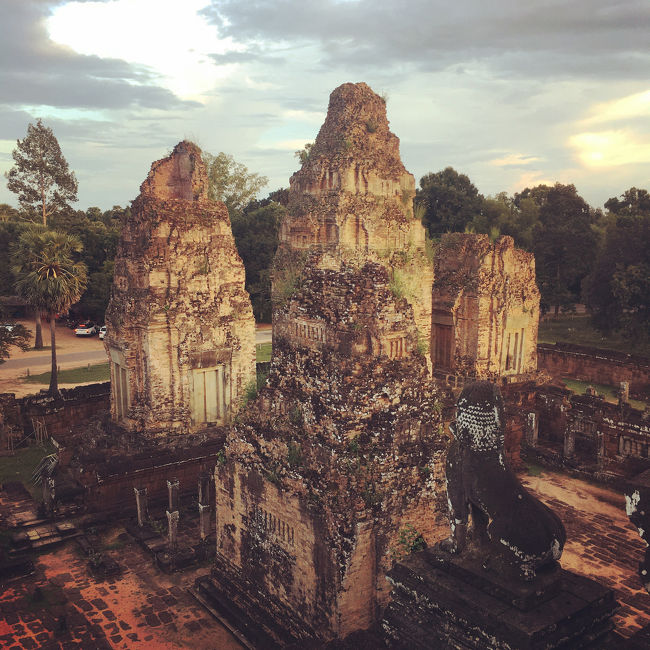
x=510 y=94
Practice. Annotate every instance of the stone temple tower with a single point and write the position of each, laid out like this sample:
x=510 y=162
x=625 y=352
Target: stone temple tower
x=181 y=334
x=341 y=454
x=485 y=309
x=352 y=203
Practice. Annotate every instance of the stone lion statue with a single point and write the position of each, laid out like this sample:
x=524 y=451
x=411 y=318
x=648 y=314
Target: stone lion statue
x=492 y=515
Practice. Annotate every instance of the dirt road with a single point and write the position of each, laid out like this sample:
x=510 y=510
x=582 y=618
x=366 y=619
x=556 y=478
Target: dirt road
x=71 y=352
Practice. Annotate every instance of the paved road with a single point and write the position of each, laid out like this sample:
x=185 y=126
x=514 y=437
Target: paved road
x=40 y=360
x=261 y=336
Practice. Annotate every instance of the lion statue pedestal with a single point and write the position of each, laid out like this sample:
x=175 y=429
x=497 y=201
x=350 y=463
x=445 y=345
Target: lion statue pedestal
x=496 y=582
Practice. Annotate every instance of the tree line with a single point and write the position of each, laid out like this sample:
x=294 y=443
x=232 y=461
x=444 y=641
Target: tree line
x=57 y=257
x=599 y=257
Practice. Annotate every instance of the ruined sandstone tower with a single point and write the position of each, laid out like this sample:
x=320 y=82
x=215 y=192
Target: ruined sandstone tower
x=485 y=308
x=352 y=202
x=343 y=449
x=181 y=334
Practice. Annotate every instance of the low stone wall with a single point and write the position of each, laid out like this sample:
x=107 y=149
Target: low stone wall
x=109 y=486
x=62 y=416
x=595 y=365
x=587 y=431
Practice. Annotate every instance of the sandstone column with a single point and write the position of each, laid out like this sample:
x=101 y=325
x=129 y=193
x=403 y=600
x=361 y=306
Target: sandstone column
x=172 y=489
x=141 y=504
x=48 y=493
x=172 y=524
x=204 y=489
x=569 y=442
x=532 y=429
x=173 y=515
x=204 y=520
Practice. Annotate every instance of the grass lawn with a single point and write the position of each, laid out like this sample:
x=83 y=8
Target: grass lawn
x=579 y=330
x=96 y=372
x=609 y=392
x=263 y=352
x=20 y=466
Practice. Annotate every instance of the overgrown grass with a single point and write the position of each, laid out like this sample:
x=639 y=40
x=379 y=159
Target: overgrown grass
x=21 y=465
x=96 y=372
x=609 y=392
x=534 y=470
x=263 y=351
x=579 y=330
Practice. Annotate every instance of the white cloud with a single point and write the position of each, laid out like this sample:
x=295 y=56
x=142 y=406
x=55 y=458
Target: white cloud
x=611 y=148
x=168 y=36
x=625 y=108
x=514 y=159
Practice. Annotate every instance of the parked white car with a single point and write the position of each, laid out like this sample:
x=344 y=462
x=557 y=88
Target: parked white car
x=86 y=329
x=102 y=332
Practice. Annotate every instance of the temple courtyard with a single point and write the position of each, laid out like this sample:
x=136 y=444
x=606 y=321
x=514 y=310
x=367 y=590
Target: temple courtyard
x=146 y=608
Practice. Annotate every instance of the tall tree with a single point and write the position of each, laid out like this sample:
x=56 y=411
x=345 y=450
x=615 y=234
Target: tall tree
x=617 y=290
x=40 y=176
x=231 y=182
x=450 y=200
x=51 y=280
x=256 y=235
x=564 y=242
x=24 y=248
x=13 y=335
x=633 y=202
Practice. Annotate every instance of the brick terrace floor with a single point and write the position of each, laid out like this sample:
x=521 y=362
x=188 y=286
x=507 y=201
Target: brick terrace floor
x=142 y=608
x=145 y=608
x=601 y=542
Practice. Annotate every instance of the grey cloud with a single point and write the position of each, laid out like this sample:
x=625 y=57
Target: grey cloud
x=252 y=55
x=42 y=72
x=437 y=34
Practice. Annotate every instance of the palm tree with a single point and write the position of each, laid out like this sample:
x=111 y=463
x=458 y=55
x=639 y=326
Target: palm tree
x=50 y=279
x=29 y=242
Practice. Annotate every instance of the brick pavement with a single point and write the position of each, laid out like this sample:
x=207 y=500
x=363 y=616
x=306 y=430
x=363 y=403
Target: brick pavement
x=142 y=608
x=601 y=542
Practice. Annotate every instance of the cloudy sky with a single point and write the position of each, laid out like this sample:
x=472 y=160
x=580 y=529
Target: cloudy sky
x=511 y=92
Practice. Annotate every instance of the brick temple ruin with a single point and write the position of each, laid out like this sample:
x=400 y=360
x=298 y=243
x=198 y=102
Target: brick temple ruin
x=321 y=479
x=181 y=333
x=343 y=448
x=485 y=309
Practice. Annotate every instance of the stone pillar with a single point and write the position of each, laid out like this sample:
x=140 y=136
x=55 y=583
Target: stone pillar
x=204 y=489
x=204 y=520
x=623 y=392
x=48 y=493
x=600 y=448
x=141 y=504
x=532 y=429
x=172 y=489
x=172 y=523
x=569 y=442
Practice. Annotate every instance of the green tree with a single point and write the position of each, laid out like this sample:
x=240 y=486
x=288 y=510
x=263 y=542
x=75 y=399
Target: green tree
x=95 y=299
x=617 y=291
x=15 y=335
x=303 y=154
x=231 y=182
x=633 y=202
x=256 y=236
x=451 y=201
x=564 y=242
x=40 y=175
x=23 y=248
x=51 y=280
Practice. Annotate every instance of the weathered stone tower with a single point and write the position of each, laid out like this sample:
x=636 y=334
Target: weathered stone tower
x=352 y=202
x=181 y=334
x=485 y=308
x=337 y=466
